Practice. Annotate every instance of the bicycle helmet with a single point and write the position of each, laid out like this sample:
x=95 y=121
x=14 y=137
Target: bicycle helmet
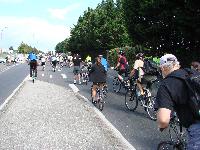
x=140 y=55
x=121 y=52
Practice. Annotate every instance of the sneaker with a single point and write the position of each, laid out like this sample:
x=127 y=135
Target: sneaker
x=127 y=83
x=74 y=81
x=79 y=82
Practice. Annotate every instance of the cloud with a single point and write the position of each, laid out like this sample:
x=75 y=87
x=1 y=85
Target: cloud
x=33 y=31
x=11 y=1
x=61 y=13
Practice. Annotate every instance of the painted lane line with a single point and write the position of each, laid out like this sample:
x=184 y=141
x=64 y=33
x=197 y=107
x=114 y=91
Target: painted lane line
x=64 y=76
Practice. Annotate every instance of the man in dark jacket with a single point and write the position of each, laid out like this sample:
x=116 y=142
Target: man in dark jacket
x=172 y=96
x=97 y=75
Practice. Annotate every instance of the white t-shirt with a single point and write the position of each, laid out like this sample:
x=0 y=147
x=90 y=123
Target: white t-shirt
x=43 y=59
x=53 y=58
x=138 y=65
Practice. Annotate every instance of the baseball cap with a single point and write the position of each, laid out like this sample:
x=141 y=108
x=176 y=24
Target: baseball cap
x=168 y=59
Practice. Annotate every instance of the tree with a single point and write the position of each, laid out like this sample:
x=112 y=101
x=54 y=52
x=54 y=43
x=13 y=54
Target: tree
x=25 y=49
x=99 y=29
x=165 y=26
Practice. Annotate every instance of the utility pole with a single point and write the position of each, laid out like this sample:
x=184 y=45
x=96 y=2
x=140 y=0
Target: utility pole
x=2 y=38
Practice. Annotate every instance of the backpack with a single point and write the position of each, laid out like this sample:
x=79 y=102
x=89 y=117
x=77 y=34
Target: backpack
x=192 y=80
x=149 y=68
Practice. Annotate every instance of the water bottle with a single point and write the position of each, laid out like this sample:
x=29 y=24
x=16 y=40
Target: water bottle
x=138 y=92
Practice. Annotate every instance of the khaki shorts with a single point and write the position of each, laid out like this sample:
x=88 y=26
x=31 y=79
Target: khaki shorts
x=96 y=85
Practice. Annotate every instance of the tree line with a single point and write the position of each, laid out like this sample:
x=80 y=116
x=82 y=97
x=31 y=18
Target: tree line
x=156 y=26
x=25 y=49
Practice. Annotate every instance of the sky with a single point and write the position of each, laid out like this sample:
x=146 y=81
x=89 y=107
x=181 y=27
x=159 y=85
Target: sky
x=39 y=23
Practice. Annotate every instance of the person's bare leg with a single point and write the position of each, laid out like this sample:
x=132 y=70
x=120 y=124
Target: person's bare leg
x=140 y=88
x=79 y=78
x=94 y=92
x=120 y=77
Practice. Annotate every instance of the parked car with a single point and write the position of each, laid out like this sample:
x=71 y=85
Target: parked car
x=2 y=60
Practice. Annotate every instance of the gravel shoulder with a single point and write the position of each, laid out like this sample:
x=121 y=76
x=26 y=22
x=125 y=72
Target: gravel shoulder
x=47 y=116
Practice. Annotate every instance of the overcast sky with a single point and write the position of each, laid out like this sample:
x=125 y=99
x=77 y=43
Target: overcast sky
x=39 y=23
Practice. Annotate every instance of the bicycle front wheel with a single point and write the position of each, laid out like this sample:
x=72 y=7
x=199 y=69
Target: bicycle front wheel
x=116 y=84
x=100 y=104
x=131 y=100
x=150 y=108
x=166 y=145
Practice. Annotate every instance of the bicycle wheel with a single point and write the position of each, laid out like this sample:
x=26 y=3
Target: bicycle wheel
x=33 y=76
x=131 y=100
x=166 y=145
x=100 y=104
x=150 y=108
x=116 y=84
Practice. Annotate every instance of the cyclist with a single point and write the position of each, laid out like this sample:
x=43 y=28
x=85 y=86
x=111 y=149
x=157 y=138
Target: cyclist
x=43 y=61
x=97 y=75
x=121 y=65
x=138 y=72
x=61 y=60
x=88 y=59
x=195 y=65
x=77 y=62
x=104 y=62
x=54 y=62
x=33 y=63
x=172 y=96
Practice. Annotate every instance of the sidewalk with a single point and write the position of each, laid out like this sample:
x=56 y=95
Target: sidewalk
x=47 y=116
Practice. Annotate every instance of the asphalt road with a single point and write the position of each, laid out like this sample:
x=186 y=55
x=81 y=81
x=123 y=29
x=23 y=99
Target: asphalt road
x=136 y=127
x=10 y=78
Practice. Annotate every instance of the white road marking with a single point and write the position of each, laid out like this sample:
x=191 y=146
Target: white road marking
x=51 y=76
x=64 y=76
x=7 y=68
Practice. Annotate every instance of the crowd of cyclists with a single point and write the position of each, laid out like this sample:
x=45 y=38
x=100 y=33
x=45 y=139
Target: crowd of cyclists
x=172 y=95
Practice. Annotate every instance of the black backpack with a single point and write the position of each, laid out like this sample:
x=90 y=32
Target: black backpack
x=149 y=68
x=192 y=80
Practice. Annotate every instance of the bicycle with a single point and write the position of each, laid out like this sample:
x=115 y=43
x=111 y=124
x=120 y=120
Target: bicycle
x=54 y=67
x=101 y=94
x=33 y=74
x=118 y=84
x=177 y=143
x=132 y=98
x=84 y=75
x=43 y=67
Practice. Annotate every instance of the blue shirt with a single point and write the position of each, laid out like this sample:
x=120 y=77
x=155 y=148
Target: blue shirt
x=32 y=56
x=104 y=63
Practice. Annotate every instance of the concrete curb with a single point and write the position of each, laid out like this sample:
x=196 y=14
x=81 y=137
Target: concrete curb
x=4 y=106
x=101 y=116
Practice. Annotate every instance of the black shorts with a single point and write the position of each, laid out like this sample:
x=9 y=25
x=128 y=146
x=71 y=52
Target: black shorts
x=121 y=72
x=33 y=64
x=43 y=64
x=54 y=63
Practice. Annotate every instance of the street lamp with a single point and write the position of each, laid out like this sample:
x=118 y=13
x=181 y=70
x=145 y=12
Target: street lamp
x=2 y=37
